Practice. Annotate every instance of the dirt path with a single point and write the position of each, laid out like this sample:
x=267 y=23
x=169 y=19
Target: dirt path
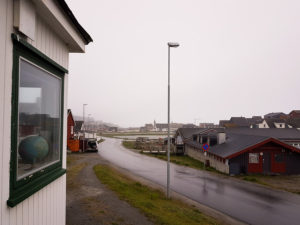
x=89 y=202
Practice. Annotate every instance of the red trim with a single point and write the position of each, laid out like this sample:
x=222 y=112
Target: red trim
x=262 y=143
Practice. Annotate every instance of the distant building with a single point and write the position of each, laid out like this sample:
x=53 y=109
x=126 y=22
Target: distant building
x=162 y=127
x=222 y=123
x=276 y=115
x=71 y=125
x=111 y=128
x=189 y=125
x=295 y=114
x=208 y=125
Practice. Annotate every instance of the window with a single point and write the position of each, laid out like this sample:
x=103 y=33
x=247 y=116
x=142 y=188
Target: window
x=213 y=141
x=278 y=157
x=253 y=158
x=37 y=121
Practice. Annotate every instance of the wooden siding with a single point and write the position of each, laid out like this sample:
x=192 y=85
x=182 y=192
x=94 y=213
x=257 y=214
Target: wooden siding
x=46 y=207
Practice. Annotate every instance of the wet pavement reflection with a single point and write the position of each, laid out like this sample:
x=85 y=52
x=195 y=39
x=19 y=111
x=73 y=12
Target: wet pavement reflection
x=247 y=202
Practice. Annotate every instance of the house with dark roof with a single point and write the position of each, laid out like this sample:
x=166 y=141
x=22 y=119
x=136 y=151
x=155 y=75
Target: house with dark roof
x=275 y=115
x=294 y=122
x=271 y=123
x=295 y=114
x=244 y=150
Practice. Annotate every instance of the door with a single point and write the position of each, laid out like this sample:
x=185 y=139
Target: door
x=267 y=162
x=255 y=163
x=278 y=162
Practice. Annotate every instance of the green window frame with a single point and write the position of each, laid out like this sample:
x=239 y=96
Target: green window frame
x=22 y=187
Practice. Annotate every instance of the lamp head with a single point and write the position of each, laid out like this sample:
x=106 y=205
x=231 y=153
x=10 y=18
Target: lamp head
x=173 y=44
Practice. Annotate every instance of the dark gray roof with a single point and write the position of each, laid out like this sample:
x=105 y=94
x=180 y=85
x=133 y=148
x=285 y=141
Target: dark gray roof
x=222 y=122
x=240 y=121
x=274 y=115
x=278 y=133
x=294 y=122
x=189 y=132
x=234 y=144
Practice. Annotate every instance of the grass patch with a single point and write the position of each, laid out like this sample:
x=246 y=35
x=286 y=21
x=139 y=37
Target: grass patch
x=255 y=178
x=72 y=173
x=185 y=160
x=252 y=179
x=129 y=144
x=100 y=141
x=151 y=202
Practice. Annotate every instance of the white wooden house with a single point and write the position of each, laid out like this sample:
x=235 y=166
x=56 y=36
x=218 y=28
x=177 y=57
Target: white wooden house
x=36 y=37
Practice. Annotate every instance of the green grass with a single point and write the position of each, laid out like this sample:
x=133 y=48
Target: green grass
x=101 y=140
x=129 y=144
x=255 y=178
x=185 y=160
x=152 y=203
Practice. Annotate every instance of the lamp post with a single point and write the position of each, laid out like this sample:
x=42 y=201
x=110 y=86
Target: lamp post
x=83 y=107
x=170 y=45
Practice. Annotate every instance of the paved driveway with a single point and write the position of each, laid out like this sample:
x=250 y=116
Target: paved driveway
x=244 y=201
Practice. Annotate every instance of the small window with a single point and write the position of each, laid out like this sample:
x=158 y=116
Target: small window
x=37 y=121
x=213 y=141
x=278 y=158
x=253 y=158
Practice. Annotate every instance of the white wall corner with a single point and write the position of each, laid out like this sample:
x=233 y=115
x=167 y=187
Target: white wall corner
x=25 y=17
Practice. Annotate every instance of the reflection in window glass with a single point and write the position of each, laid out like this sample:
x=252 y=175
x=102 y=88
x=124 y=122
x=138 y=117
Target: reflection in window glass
x=253 y=158
x=39 y=119
x=278 y=157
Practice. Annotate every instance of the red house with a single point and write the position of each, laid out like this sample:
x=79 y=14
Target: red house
x=244 y=150
x=71 y=124
x=72 y=144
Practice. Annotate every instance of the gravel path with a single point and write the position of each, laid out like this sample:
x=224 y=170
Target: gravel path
x=89 y=202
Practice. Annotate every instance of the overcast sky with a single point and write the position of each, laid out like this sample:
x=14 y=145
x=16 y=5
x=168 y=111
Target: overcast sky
x=237 y=58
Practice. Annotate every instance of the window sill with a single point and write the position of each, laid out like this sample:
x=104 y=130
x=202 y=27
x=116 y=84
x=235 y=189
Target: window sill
x=20 y=194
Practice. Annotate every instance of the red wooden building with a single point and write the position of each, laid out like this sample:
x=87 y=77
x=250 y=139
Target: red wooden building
x=246 y=150
x=72 y=143
x=71 y=125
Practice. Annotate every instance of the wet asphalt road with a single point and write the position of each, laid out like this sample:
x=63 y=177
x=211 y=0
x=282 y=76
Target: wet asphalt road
x=246 y=202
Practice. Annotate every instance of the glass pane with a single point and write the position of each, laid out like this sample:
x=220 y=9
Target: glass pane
x=278 y=157
x=39 y=119
x=253 y=158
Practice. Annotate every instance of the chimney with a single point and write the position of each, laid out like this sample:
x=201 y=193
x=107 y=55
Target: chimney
x=221 y=137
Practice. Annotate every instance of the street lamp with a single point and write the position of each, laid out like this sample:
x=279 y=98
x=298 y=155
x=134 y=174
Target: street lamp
x=170 y=45
x=83 y=107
